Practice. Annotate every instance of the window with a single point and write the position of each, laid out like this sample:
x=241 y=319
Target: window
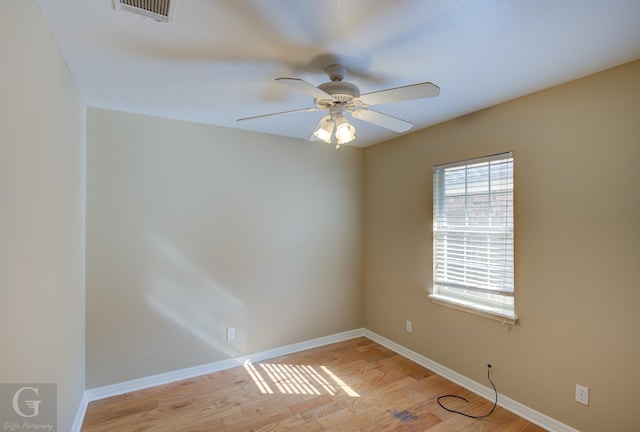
x=473 y=236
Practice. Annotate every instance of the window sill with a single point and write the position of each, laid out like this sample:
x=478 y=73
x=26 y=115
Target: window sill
x=487 y=313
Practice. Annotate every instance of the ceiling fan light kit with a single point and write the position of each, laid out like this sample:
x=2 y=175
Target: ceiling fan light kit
x=338 y=96
x=344 y=131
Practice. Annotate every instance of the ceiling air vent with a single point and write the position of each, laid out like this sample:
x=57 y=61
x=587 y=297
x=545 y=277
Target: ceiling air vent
x=159 y=10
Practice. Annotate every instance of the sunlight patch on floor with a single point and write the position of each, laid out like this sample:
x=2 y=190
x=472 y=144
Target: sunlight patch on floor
x=296 y=379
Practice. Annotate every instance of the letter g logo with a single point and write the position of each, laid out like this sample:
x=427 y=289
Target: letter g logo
x=34 y=405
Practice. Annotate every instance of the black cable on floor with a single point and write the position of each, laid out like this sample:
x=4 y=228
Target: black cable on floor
x=460 y=397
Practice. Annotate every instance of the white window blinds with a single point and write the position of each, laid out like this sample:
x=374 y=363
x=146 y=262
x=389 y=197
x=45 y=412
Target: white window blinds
x=473 y=229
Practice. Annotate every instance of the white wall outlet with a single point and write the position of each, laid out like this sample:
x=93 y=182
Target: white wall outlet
x=231 y=333
x=582 y=394
x=409 y=326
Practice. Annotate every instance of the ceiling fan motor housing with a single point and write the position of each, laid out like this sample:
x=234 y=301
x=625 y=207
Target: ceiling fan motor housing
x=342 y=92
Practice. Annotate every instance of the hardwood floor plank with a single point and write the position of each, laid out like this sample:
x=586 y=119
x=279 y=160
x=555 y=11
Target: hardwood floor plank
x=291 y=424
x=355 y=385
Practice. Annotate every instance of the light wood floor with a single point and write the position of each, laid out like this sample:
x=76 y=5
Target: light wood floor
x=352 y=386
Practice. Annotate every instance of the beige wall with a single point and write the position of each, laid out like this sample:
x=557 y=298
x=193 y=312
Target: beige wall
x=192 y=229
x=42 y=164
x=577 y=191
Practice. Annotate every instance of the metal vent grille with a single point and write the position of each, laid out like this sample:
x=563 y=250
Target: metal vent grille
x=159 y=10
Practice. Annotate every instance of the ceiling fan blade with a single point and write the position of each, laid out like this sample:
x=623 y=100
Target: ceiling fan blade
x=384 y=120
x=280 y=113
x=305 y=87
x=398 y=94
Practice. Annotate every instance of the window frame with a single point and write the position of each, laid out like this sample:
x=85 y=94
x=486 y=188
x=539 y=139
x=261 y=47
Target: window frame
x=489 y=296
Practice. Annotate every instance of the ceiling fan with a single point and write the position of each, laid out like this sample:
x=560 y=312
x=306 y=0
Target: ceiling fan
x=338 y=97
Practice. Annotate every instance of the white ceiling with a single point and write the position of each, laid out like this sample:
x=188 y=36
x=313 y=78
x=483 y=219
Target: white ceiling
x=218 y=60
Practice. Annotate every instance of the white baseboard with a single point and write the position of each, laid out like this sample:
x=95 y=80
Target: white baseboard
x=79 y=418
x=511 y=405
x=169 y=377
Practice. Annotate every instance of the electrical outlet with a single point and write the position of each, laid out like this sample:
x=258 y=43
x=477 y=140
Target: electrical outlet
x=582 y=394
x=231 y=333
x=409 y=326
